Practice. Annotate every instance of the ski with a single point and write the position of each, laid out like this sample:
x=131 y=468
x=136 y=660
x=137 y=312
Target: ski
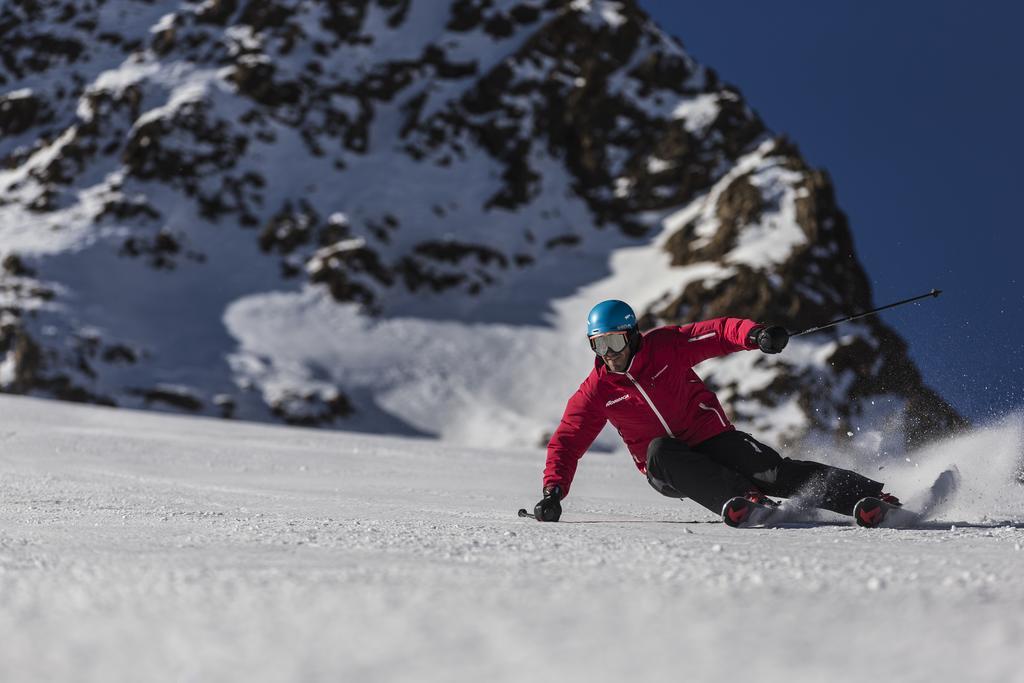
x=742 y=513
x=873 y=513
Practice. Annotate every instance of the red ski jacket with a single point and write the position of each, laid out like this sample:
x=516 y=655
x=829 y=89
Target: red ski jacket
x=659 y=394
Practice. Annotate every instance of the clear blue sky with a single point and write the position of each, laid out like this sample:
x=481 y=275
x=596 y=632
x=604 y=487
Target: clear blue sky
x=916 y=109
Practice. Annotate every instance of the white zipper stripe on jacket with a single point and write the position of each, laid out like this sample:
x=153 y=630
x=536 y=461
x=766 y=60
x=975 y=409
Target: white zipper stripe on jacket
x=717 y=414
x=650 y=403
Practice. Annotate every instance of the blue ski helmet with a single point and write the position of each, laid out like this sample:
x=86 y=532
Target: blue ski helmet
x=611 y=316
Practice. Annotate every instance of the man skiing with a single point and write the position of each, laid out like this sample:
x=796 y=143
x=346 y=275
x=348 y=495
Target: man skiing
x=675 y=427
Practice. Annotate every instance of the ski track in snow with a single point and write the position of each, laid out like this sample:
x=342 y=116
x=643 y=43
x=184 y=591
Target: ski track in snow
x=139 y=546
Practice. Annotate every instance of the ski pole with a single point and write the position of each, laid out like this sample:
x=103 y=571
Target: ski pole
x=524 y=513
x=933 y=293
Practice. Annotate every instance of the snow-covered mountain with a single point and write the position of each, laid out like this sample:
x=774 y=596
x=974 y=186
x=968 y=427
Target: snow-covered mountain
x=145 y=547
x=393 y=215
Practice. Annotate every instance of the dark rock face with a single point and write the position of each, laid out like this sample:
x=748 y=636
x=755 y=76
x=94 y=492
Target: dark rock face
x=312 y=410
x=636 y=127
x=876 y=366
x=18 y=113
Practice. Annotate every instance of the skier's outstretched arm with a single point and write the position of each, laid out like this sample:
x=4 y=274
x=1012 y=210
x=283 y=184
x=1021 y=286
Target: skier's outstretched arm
x=722 y=336
x=581 y=422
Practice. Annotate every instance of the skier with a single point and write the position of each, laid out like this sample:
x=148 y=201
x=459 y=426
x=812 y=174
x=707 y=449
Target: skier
x=674 y=426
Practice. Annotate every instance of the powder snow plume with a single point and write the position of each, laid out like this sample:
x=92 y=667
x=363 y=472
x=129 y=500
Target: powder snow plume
x=987 y=462
x=990 y=460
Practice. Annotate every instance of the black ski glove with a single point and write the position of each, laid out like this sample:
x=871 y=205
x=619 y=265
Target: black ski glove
x=770 y=338
x=549 y=509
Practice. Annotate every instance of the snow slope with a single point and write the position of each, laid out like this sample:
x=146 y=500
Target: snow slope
x=139 y=546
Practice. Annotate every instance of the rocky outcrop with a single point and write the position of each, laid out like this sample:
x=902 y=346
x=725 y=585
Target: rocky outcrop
x=385 y=150
x=818 y=281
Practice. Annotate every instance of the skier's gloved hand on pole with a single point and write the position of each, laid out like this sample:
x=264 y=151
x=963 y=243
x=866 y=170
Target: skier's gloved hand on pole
x=549 y=509
x=770 y=338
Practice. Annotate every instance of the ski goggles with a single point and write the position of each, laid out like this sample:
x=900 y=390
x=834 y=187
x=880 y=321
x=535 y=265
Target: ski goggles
x=613 y=342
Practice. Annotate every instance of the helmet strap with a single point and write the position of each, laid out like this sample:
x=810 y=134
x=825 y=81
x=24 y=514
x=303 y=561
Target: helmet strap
x=634 y=337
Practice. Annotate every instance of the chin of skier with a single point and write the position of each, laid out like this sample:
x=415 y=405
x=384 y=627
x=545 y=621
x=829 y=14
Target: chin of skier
x=675 y=427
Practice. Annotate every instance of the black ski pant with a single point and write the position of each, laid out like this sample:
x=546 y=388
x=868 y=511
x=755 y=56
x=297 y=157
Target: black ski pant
x=734 y=463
